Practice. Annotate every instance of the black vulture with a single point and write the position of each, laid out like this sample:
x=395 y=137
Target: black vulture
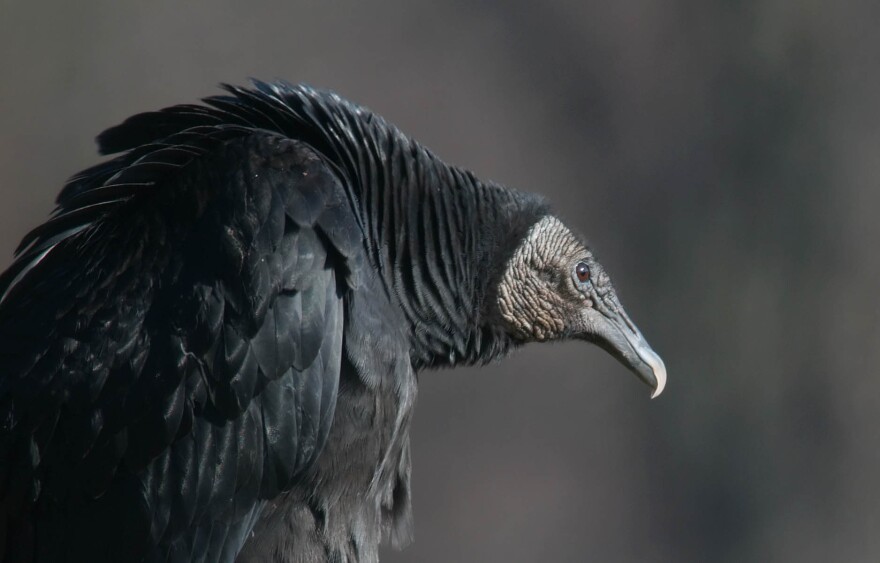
x=209 y=352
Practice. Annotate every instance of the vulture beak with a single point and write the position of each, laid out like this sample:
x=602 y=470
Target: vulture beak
x=616 y=333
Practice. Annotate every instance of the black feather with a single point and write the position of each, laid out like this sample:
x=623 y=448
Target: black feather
x=211 y=347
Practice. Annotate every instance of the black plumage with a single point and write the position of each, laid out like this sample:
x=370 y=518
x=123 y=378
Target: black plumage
x=209 y=352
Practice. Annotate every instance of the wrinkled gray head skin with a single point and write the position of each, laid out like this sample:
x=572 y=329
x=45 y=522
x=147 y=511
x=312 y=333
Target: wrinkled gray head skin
x=553 y=288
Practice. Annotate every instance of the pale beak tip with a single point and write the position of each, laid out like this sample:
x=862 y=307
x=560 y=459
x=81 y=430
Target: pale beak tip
x=660 y=373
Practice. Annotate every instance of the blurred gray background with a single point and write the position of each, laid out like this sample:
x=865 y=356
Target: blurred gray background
x=723 y=158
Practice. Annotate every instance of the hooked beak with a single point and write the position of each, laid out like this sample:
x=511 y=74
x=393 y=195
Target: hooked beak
x=616 y=333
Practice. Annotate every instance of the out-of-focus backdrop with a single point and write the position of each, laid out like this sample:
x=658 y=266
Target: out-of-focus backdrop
x=722 y=157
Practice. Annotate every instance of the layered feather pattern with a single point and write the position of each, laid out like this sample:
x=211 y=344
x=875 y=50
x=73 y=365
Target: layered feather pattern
x=215 y=335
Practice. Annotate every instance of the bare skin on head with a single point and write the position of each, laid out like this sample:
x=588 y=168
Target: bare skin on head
x=536 y=295
x=553 y=288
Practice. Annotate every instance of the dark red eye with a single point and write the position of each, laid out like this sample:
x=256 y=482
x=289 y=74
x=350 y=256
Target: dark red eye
x=582 y=272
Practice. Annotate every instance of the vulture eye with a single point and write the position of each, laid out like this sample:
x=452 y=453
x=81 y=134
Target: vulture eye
x=582 y=272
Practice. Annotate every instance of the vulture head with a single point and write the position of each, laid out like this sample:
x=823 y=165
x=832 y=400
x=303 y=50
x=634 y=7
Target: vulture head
x=553 y=288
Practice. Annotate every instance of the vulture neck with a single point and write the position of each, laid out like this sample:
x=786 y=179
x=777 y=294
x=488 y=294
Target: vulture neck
x=439 y=239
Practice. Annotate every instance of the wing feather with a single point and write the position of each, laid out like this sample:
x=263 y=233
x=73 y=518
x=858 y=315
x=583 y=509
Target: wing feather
x=194 y=298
